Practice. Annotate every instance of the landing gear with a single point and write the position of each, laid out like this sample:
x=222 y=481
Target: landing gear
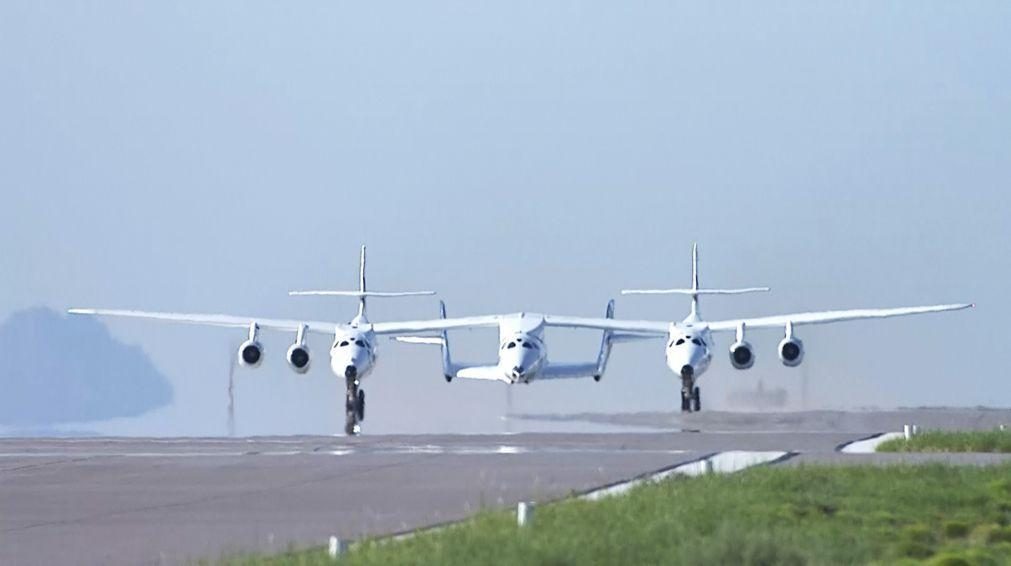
x=354 y=406
x=691 y=395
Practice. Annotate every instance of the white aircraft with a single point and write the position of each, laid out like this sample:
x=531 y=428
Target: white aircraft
x=522 y=352
x=689 y=349
x=353 y=354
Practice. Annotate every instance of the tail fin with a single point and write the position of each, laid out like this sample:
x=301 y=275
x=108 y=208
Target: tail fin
x=695 y=291
x=362 y=293
x=605 y=344
x=448 y=369
x=695 y=267
x=361 y=283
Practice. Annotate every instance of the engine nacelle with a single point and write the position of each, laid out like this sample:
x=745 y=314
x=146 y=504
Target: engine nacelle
x=791 y=351
x=299 y=358
x=250 y=354
x=742 y=355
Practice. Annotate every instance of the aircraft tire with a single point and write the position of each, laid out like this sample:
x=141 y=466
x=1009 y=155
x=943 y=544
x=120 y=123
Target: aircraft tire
x=360 y=405
x=697 y=400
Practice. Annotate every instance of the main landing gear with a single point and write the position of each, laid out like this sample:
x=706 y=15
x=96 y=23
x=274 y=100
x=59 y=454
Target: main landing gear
x=691 y=395
x=354 y=406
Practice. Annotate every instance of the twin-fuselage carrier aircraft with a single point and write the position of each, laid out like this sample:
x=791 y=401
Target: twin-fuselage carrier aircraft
x=522 y=351
x=689 y=343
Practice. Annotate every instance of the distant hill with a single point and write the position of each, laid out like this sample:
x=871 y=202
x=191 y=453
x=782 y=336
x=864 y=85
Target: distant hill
x=60 y=369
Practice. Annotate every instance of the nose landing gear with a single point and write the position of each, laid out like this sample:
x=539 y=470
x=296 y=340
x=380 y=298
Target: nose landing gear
x=354 y=406
x=691 y=395
x=691 y=399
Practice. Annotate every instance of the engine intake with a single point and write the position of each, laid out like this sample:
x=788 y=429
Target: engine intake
x=251 y=353
x=791 y=352
x=299 y=358
x=742 y=355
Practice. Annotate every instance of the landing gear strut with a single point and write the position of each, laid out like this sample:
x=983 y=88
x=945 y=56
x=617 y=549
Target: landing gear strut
x=691 y=395
x=354 y=407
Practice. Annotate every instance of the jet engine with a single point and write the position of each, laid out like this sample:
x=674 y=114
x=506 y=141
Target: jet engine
x=742 y=355
x=299 y=358
x=251 y=351
x=298 y=354
x=251 y=354
x=791 y=349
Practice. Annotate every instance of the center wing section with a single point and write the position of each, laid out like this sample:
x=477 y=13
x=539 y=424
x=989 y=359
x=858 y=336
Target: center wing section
x=626 y=328
x=780 y=321
x=220 y=320
x=435 y=325
x=569 y=371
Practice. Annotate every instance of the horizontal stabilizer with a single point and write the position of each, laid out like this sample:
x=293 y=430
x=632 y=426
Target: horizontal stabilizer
x=360 y=294
x=695 y=291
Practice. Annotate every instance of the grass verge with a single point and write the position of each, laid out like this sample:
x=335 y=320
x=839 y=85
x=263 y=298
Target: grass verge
x=952 y=441
x=805 y=515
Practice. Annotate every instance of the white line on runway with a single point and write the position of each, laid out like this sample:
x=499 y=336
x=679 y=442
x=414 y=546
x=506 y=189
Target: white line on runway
x=720 y=463
x=337 y=451
x=870 y=445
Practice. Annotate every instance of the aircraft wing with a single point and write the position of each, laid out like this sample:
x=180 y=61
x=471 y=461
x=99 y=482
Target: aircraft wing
x=490 y=373
x=435 y=324
x=642 y=328
x=568 y=371
x=221 y=320
x=780 y=321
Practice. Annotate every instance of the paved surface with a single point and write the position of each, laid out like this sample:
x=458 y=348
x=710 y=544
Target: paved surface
x=869 y=421
x=166 y=501
x=150 y=501
x=116 y=501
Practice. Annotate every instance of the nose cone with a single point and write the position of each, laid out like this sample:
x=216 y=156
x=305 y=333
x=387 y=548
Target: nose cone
x=350 y=367
x=520 y=364
x=686 y=361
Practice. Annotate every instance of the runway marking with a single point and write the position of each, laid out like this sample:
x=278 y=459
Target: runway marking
x=505 y=450
x=869 y=445
x=718 y=463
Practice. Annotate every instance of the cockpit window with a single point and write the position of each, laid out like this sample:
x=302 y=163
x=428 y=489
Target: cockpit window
x=344 y=343
x=360 y=343
x=696 y=341
x=680 y=341
x=528 y=345
x=511 y=345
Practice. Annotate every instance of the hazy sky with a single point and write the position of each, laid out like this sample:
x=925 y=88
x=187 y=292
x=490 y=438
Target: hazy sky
x=538 y=156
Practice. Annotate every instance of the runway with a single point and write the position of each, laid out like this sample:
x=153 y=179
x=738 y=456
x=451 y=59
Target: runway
x=168 y=501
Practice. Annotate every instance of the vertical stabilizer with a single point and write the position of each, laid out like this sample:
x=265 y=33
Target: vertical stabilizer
x=361 y=284
x=695 y=282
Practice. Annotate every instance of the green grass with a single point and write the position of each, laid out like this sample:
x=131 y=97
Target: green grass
x=807 y=515
x=955 y=441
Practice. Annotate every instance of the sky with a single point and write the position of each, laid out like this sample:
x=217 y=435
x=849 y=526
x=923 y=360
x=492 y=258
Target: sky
x=534 y=156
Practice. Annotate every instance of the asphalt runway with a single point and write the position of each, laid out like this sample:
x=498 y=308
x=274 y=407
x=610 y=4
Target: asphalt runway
x=170 y=501
x=869 y=420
